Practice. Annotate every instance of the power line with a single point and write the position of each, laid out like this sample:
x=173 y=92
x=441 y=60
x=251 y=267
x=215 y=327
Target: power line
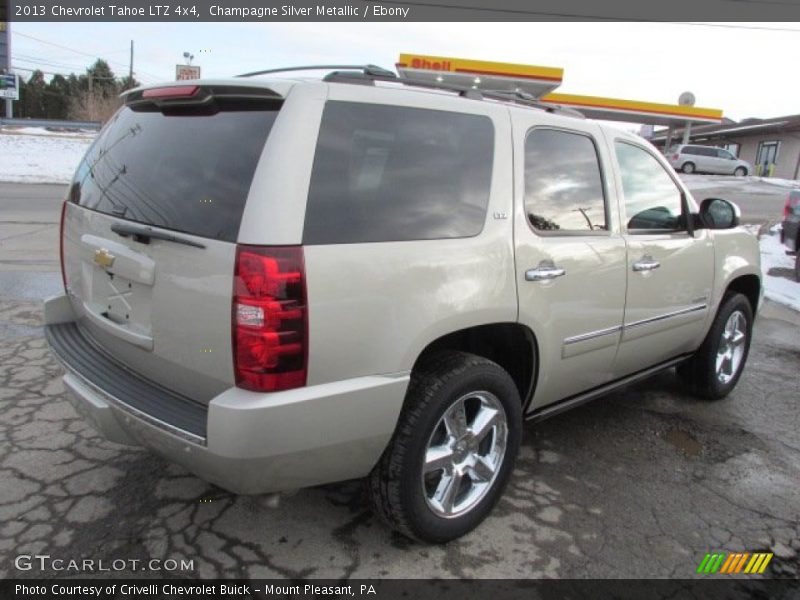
x=95 y=56
x=28 y=58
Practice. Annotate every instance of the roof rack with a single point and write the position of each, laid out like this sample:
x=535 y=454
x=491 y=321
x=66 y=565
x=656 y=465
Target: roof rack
x=369 y=74
x=368 y=70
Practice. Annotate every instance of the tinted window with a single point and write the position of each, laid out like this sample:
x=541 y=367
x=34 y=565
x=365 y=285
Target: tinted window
x=724 y=154
x=652 y=200
x=690 y=150
x=563 y=185
x=388 y=173
x=186 y=173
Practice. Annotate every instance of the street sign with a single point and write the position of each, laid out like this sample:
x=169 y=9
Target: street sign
x=186 y=72
x=9 y=86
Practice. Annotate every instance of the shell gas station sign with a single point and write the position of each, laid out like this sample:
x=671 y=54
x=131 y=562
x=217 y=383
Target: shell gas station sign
x=540 y=82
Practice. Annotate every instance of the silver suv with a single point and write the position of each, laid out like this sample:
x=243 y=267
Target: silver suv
x=281 y=283
x=707 y=159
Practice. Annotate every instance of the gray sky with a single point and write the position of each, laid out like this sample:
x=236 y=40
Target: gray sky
x=745 y=72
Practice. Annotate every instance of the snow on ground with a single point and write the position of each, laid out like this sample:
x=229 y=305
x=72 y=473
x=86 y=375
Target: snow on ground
x=76 y=133
x=773 y=256
x=749 y=184
x=41 y=156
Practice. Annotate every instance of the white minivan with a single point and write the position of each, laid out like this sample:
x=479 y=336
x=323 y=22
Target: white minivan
x=707 y=159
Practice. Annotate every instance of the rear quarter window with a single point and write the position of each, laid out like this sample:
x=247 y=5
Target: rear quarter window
x=388 y=173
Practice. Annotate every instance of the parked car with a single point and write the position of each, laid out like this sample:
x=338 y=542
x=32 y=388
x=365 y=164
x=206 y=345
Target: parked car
x=282 y=283
x=691 y=158
x=790 y=228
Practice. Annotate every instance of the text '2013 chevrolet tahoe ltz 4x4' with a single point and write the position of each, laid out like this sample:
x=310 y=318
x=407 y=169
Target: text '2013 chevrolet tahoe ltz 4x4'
x=280 y=283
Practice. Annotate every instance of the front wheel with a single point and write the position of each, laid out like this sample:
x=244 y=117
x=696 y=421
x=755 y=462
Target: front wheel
x=453 y=450
x=714 y=370
x=740 y=172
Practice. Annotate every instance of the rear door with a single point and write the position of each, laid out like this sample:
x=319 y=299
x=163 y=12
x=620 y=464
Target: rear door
x=570 y=256
x=150 y=232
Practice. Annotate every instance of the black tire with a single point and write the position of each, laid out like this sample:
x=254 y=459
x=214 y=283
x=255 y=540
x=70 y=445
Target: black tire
x=688 y=168
x=700 y=371
x=739 y=172
x=396 y=484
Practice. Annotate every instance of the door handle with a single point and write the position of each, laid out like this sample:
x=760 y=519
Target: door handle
x=646 y=263
x=544 y=272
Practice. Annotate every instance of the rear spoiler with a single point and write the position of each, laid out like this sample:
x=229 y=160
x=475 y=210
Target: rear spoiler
x=196 y=98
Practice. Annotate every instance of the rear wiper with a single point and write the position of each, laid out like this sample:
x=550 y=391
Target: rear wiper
x=143 y=235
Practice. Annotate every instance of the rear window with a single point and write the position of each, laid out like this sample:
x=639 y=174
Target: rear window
x=186 y=173
x=388 y=173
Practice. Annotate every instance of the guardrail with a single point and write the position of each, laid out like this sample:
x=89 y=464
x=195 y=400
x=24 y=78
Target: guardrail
x=54 y=123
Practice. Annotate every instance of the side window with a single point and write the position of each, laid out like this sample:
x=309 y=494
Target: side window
x=563 y=182
x=690 y=150
x=652 y=199
x=388 y=173
x=724 y=154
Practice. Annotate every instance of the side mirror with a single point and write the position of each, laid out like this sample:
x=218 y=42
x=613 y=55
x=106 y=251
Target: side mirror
x=717 y=213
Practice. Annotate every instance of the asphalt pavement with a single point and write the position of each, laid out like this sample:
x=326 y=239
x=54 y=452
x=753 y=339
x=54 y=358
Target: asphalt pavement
x=642 y=483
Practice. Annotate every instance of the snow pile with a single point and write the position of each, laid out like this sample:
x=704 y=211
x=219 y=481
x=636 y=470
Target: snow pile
x=41 y=158
x=778 y=288
x=77 y=133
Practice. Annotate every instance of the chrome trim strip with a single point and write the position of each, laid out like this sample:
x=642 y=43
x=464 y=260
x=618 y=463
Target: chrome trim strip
x=611 y=330
x=677 y=313
x=135 y=412
x=592 y=334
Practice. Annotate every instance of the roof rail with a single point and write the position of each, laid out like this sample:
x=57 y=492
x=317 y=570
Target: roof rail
x=527 y=99
x=369 y=70
x=369 y=74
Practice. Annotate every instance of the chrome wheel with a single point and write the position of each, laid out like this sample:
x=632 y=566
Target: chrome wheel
x=731 y=347
x=464 y=454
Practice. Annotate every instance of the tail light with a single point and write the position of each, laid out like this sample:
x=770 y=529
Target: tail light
x=792 y=200
x=675 y=156
x=175 y=91
x=270 y=318
x=61 y=244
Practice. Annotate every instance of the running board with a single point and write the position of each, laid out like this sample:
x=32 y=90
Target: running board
x=551 y=410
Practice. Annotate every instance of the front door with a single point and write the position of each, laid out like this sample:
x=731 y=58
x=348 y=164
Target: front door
x=570 y=255
x=670 y=270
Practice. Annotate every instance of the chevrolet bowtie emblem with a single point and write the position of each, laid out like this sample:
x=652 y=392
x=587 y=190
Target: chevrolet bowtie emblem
x=104 y=258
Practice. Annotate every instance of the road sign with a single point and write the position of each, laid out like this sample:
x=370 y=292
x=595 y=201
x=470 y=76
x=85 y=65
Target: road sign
x=187 y=72
x=9 y=86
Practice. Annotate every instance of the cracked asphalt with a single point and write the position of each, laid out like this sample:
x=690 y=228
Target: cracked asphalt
x=640 y=484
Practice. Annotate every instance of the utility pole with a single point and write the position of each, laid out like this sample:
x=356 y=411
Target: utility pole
x=91 y=97
x=130 y=69
x=5 y=56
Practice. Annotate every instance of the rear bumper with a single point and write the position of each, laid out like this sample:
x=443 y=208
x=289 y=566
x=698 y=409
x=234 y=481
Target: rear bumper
x=245 y=442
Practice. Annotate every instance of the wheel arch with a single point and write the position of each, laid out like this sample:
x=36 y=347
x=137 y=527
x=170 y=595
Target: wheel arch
x=513 y=346
x=749 y=285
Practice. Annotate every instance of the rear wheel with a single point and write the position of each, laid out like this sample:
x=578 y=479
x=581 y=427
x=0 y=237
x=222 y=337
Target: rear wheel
x=453 y=450
x=740 y=172
x=688 y=168
x=714 y=370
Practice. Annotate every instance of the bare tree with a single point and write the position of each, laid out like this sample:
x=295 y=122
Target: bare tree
x=93 y=106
